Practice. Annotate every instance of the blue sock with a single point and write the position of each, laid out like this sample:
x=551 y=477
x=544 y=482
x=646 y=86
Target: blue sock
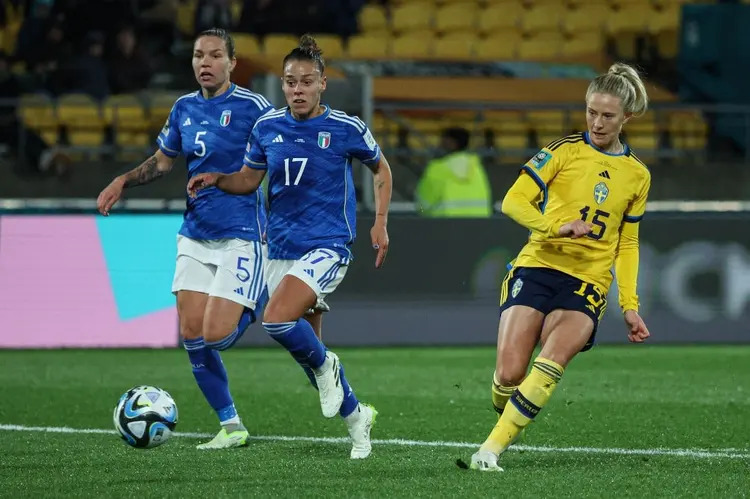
x=247 y=318
x=350 y=400
x=299 y=339
x=209 y=373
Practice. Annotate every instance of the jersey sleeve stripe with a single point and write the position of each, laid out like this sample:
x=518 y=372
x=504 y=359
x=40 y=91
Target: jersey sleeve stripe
x=632 y=219
x=271 y=115
x=540 y=183
x=250 y=93
x=347 y=120
x=166 y=150
x=258 y=102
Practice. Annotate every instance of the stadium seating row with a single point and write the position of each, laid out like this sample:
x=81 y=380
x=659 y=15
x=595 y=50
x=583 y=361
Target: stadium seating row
x=135 y=123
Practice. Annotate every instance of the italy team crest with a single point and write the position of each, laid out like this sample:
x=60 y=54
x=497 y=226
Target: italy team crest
x=516 y=288
x=601 y=191
x=226 y=117
x=324 y=139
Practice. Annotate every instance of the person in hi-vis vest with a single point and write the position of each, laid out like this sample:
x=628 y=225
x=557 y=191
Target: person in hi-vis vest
x=454 y=185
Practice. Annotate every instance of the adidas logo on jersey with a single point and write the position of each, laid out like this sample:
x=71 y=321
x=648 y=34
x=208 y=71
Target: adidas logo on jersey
x=604 y=174
x=204 y=122
x=187 y=122
x=240 y=291
x=278 y=138
x=310 y=272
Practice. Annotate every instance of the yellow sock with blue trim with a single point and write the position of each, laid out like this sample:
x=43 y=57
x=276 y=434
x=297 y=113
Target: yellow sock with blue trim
x=500 y=394
x=525 y=404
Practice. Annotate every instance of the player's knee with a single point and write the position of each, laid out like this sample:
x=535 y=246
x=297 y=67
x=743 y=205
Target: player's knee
x=217 y=332
x=276 y=312
x=191 y=329
x=510 y=375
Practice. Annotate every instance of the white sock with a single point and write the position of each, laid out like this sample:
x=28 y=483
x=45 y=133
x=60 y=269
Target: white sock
x=232 y=421
x=354 y=416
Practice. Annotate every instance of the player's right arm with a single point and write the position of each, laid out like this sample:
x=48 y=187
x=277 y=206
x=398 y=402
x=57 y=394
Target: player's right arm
x=154 y=167
x=245 y=181
x=520 y=203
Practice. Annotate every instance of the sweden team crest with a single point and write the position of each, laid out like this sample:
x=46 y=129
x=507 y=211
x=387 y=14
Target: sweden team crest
x=324 y=139
x=226 y=116
x=516 y=288
x=601 y=191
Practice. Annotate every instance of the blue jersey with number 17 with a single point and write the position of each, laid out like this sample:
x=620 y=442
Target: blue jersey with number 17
x=311 y=196
x=212 y=135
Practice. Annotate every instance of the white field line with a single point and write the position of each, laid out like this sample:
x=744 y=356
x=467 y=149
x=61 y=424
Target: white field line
x=693 y=453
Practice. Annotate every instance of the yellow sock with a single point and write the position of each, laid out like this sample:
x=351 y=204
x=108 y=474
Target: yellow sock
x=525 y=404
x=500 y=395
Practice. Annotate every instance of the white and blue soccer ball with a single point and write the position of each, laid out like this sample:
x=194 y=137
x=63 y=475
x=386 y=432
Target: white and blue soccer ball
x=145 y=416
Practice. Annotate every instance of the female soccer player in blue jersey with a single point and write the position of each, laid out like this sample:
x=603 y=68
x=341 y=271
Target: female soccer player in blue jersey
x=582 y=197
x=220 y=254
x=307 y=150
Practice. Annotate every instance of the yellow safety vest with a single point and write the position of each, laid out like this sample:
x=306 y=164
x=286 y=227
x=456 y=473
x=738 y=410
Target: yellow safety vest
x=455 y=185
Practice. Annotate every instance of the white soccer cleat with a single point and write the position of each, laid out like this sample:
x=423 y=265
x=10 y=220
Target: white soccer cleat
x=359 y=431
x=224 y=440
x=329 y=386
x=484 y=460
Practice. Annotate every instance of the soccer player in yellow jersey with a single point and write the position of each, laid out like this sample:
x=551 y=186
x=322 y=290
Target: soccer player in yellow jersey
x=582 y=197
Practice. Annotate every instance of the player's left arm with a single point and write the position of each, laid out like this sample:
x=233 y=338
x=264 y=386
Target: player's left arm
x=626 y=265
x=364 y=147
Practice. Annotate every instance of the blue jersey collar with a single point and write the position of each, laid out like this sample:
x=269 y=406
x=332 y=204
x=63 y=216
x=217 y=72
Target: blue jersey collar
x=217 y=100
x=625 y=148
x=321 y=117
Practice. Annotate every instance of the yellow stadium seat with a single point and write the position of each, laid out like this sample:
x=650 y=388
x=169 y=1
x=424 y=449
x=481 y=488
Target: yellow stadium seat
x=458 y=46
x=584 y=43
x=81 y=116
x=413 y=46
x=549 y=125
x=127 y=117
x=278 y=46
x=497 y=18
x=185 y=21
x=630 y=18
x=160 y=105
x=687 y=130
x=456 y=17
x=412 y=16
x=372 y=18
x=37 y=112
x=331 y=45
x=667 y=44
x=246 y=45
x=544 y=46
x=368 y=46
x=542 y=18
x=642 y=135
x=586 y=18
x=665 y=19
x=501 y=47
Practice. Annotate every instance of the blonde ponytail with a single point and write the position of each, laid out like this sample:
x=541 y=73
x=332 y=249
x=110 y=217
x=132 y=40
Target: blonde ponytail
x=622 y=81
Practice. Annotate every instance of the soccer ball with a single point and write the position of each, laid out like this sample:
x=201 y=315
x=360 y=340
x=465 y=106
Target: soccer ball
x=145 y=416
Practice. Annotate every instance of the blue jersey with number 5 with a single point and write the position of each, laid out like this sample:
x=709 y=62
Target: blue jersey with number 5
x=212 y=135
x=311 y=188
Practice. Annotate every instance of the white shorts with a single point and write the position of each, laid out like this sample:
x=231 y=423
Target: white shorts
x=226 y=268
x=321 y=269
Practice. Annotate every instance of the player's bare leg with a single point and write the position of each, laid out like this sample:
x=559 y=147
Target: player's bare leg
x=518 y=333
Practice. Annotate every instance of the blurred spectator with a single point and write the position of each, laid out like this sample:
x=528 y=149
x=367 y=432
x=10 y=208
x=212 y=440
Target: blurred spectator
x=37 y=155
x=87 y=73
x=213 y=14
x=128 y=68
x=455 y=185
x=34 y=28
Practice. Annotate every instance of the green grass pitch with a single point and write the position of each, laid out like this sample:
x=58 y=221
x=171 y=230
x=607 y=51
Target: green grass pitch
x=625 y=422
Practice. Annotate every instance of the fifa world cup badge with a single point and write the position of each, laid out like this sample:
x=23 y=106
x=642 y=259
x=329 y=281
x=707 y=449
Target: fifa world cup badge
x=516 y=288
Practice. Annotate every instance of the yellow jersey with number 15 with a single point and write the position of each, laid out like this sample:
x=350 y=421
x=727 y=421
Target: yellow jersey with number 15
x=579 y=181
